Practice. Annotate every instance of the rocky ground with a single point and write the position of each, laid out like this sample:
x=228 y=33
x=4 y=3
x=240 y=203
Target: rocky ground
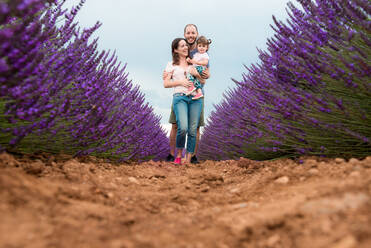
x=58 y=201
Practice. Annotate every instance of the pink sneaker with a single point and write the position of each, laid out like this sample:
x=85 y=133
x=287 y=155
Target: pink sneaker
x=191 y=90
x=178 y=161
x=198 y=96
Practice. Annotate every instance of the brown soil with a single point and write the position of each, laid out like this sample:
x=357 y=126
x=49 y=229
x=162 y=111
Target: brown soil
x=58 y=201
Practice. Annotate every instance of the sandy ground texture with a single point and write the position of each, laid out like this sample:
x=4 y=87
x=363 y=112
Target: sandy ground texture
x=59 y=201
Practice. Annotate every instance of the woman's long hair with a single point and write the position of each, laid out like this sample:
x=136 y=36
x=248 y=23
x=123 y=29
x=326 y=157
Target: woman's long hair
x=175 y=45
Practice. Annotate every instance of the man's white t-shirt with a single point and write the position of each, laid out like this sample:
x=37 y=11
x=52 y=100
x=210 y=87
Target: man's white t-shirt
x=178 y=74
x=200 y=56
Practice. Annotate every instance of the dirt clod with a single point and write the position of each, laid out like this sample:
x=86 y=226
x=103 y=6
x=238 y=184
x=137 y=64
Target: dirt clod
x=282 y=180
x=35 y=168
x=133 y=180
x=273 y=240
x=8 y=160
x=347 y=242
x=313 y=171
x=339 y=160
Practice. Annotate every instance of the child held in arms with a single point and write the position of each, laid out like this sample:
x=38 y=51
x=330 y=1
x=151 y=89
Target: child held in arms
x=200 y=61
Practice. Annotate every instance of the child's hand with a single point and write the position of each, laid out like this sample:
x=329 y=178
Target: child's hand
x=194 y=72
x=189 y=60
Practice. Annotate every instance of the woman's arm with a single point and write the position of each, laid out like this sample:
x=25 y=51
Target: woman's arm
x=169 y=83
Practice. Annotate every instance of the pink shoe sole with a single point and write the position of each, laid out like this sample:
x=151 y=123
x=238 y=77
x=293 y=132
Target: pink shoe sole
x=198 y=96
x=178 y=161
x=190 y=91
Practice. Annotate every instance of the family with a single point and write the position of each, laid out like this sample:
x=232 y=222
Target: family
x=186 y=74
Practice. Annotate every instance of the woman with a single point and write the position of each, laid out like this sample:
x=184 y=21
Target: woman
x=187 y=111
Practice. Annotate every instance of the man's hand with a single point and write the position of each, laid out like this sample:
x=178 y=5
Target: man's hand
x=205 y=74
x=201 y=77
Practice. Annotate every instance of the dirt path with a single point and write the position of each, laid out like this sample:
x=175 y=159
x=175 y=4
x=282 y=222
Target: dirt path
x=48 y=201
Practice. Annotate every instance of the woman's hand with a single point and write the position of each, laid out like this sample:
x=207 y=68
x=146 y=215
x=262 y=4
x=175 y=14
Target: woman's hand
x=165 y=74
x=185 y=83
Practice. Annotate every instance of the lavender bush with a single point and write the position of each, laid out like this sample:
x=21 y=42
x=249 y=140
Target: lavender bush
x=60 y=94
x=310 y=94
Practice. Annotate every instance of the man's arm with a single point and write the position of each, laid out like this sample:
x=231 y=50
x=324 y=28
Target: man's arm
x=205 y=74
x=168 y=83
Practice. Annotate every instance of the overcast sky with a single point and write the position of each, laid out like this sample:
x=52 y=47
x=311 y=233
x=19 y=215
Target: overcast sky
x=141 y=32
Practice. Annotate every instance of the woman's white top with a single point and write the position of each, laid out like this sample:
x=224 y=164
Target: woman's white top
x=178 y=74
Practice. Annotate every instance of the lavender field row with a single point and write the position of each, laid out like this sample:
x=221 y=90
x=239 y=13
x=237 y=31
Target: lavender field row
x=60 y=94
x=310 y=93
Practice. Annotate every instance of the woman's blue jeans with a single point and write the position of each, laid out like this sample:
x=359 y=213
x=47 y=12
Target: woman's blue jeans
x=187 y=112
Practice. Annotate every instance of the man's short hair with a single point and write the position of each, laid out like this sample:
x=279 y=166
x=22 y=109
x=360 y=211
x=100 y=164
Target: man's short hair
x=186 y=26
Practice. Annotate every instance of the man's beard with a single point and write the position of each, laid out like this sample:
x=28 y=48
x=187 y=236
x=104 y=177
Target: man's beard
x=191 y=44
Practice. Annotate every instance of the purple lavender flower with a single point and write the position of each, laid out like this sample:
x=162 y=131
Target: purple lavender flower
x=72 y=96
x=310 y=90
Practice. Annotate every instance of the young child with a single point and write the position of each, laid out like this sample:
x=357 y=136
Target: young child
x=200 y=61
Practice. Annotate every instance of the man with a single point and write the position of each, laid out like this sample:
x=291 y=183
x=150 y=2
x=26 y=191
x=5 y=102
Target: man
x=190 y=34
